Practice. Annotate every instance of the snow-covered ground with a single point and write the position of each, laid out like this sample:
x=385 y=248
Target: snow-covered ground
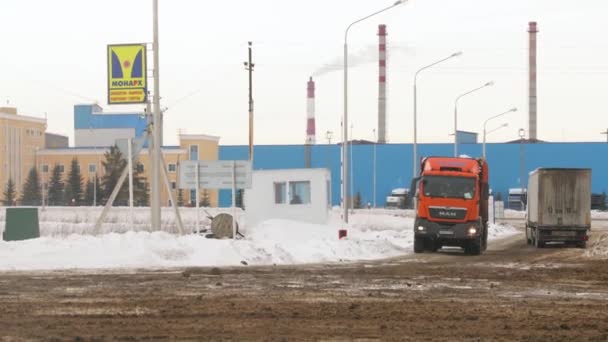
x=68 y=241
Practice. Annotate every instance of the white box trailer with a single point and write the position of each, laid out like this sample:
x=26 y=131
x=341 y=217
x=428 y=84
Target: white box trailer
x=559 y=206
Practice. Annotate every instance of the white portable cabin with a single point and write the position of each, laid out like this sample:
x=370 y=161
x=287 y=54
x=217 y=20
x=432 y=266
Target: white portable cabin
x=293 y=194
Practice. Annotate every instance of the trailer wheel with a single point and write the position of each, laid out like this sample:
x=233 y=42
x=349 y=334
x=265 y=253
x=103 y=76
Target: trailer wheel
x=418 y=245
x=538 y=244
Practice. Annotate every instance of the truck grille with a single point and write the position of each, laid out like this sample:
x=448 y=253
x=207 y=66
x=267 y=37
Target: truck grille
x=447 y=213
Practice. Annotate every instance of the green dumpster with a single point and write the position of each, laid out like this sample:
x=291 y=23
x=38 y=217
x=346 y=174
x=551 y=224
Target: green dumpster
x=21 y=224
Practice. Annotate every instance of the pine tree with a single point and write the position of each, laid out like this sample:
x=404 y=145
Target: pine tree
x=205 y=202
x=55 y=189
x=9 y=193
x=141 y=190
x=31 y=194
x=73 y=188
x=114 y=164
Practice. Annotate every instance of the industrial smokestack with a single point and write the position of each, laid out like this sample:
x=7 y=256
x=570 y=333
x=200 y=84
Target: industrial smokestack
x=310 y=112
x=310 y=119
x=532 y=123
x=382 y=84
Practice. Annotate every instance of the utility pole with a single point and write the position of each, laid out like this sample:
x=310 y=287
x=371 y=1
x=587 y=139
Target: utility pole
x=249 y=67
x=157 y=133
x=329 y=135
x=521 y=163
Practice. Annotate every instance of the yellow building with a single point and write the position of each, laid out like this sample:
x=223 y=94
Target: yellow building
x=201 y=147
x=25 y=145
x=21 y=137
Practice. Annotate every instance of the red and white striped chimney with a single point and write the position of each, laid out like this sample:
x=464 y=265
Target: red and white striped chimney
x=310 y=113
x=382 y=84
x=532 y=29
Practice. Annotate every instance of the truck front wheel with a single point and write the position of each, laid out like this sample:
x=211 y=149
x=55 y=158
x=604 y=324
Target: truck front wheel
x=418 y=245
x=473 y=247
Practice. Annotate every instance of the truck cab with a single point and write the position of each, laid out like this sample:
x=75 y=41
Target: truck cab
x=452 y=204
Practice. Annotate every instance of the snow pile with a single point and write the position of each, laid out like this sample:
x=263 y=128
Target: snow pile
x=598 y=249
x=514 y=214
x=598 y=214
x=497 y=231
x=371 y=235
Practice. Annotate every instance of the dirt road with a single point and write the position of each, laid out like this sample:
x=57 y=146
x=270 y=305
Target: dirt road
x=512 y=292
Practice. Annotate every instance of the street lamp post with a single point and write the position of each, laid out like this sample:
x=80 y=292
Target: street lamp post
x=329 y=135
x=522 y=134
x=374 y=169
x=415 y=159
x=352 y=175
x=456 y=114
x=484 y=128
x=345 y=118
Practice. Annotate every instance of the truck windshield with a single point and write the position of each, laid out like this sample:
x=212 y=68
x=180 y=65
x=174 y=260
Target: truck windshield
x=448 y=187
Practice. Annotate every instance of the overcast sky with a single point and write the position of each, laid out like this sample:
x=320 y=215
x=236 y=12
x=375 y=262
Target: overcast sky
x=53 y=56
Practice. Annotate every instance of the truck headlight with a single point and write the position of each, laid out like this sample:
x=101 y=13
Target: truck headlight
x=420 y=228
x=473 y=230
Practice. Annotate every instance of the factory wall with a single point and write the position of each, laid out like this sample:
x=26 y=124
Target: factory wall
x=394 y=163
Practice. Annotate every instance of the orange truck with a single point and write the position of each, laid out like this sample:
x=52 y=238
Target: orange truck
x=451 y=197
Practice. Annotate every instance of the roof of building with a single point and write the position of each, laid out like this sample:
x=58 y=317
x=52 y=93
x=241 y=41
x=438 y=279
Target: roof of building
x=198 y=137
x=11 y=113
x=100 y=150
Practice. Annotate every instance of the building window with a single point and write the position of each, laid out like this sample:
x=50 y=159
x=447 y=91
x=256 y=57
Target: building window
x=140 y=167
x=45 y=168
x=299 y=192
x=280 y=196
x=92 y=168
x=61 y=168
x=173 y=185
x=193 y=152
x=172 y=167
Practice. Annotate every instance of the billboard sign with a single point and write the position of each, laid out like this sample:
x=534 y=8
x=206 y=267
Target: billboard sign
x=215 y=174
x=127 y=74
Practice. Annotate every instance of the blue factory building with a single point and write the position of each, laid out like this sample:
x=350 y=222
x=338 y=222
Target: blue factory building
x=394 y=163
x=93 y=127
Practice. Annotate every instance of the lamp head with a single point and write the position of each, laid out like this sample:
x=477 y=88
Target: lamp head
x=399 y=2
x=514 y=109
x=456 y=54
x=491 y=83
x=505 y=124
x=522 y=133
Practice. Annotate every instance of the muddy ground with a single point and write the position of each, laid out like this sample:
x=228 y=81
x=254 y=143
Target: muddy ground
x=512 y=292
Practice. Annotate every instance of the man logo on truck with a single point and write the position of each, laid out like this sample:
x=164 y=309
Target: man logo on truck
x=447 y=213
